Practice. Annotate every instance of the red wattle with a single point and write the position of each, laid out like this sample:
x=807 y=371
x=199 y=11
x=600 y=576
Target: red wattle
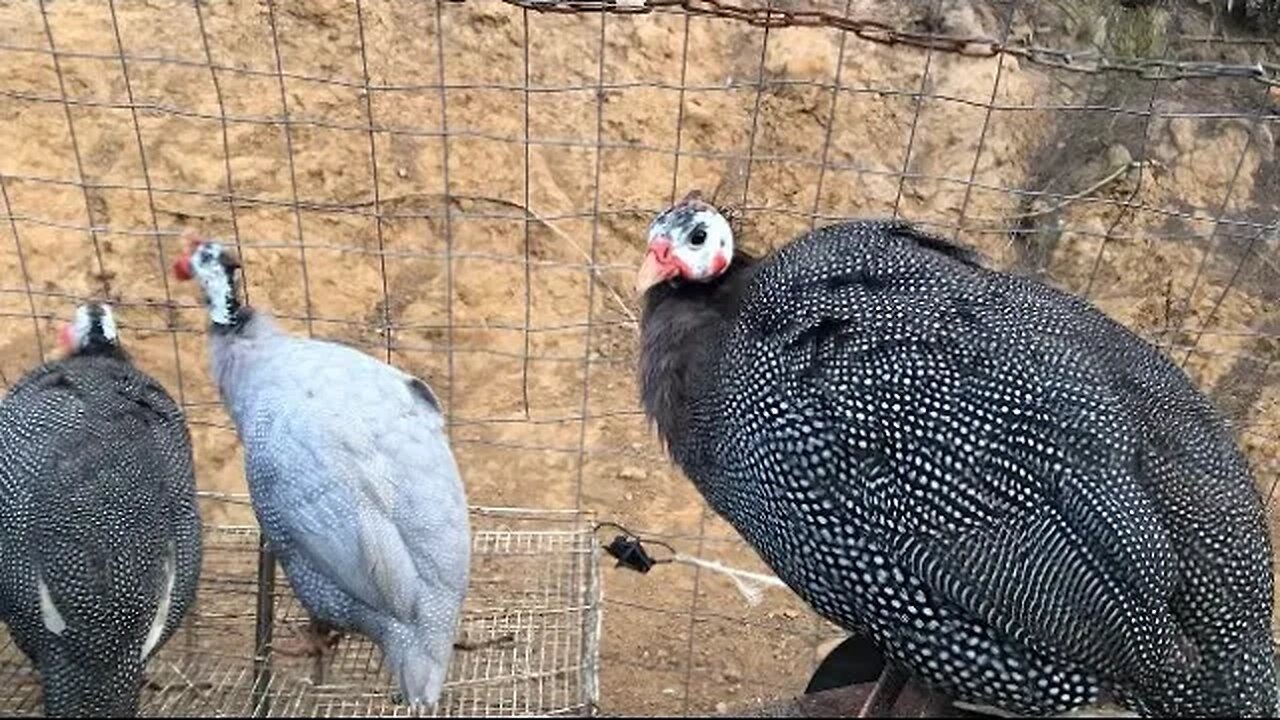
x=182 y=268
x=64 y=336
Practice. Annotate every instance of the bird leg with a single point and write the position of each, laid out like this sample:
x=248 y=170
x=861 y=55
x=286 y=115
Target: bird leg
x=880 y=700
x=897 y=694
x=317 y=639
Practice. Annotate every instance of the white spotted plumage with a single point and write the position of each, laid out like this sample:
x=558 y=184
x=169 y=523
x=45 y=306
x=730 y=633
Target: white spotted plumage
x=98 y=520
x=1023 y=503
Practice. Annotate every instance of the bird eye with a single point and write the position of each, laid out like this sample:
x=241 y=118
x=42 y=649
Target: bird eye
x=698 y=236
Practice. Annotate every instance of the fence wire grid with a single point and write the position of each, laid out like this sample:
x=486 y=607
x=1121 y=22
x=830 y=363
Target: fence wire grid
x=529 y=632
x=463 y=188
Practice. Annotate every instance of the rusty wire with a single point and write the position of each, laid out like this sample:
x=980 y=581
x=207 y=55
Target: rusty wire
x=876 y=31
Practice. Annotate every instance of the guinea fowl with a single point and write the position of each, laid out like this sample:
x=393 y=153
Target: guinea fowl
x=100 y=544
x=1023 y=504
x=351 y=478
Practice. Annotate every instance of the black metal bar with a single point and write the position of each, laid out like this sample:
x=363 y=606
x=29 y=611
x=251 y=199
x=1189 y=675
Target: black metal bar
x=265 y=618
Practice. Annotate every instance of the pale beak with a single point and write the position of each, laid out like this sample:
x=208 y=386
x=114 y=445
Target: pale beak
x=656 y=267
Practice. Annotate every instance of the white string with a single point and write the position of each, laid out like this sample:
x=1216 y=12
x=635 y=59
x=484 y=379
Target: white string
x=750 y=584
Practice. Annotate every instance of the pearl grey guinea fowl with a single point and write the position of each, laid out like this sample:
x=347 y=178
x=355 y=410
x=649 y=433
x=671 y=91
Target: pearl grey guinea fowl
x=99 y=530
x=351 y=477
x=1025 y=505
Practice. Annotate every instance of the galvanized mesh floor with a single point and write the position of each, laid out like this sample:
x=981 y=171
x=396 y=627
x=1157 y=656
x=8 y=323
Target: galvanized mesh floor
x=532 y=617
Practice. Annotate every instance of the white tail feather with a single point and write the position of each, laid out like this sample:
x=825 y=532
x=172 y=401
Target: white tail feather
x=162 y=609
x=53 y=621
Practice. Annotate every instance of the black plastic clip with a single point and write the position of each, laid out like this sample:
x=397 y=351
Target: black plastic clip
x=630 y=553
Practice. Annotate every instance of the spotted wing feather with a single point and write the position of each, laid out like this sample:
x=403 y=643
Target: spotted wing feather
x=345 y=479
x=908 y=366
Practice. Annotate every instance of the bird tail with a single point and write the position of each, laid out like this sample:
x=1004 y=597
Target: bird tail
x=417 y=670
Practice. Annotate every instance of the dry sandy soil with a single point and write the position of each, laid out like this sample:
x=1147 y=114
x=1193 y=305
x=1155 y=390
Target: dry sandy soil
x=463 y=290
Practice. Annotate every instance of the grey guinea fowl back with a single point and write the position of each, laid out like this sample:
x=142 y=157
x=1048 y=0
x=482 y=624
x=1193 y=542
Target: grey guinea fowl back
x=352 y=480
x=1026 y=505
x=99 y=530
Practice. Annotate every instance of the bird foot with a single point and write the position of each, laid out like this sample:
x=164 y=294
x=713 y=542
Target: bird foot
x=316 y=640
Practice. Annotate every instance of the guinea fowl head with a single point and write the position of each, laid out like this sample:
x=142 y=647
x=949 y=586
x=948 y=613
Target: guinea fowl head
x=214 y=267
x=91 y=330
x=689 y=242
x=691 y=283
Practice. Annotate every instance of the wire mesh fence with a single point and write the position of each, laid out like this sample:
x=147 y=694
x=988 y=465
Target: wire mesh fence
x=463 y=188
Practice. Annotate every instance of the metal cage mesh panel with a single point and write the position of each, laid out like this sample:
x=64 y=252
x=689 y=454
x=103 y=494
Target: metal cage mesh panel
x=530 y=628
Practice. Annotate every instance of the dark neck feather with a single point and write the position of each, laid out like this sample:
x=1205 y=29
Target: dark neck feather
x=98 y=346
x=239 y=314
x=680 y=333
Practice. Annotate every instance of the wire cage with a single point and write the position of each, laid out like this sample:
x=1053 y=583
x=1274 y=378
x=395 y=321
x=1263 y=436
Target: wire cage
x=528 y=643
x=463 y=189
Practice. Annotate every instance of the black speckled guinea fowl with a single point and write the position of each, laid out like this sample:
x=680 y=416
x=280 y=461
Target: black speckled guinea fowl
x=1024 y=505
x=99 y=531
